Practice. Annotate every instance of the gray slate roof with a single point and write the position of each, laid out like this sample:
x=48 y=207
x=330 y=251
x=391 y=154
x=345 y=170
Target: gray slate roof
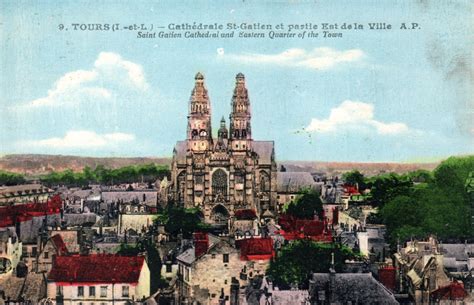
x=358 y=287
x=264 y=150
x=187 y=257
x=458 y=251
x=180 y=149
x=292 y=182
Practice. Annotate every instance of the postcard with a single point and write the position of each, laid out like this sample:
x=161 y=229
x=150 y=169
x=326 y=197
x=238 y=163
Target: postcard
x=236 y=152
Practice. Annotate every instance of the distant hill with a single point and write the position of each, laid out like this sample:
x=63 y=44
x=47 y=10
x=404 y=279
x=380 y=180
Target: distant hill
x=32 y=164
x=368 y=169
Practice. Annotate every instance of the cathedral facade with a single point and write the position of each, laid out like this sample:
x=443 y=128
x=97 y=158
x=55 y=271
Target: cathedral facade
x=230 y=172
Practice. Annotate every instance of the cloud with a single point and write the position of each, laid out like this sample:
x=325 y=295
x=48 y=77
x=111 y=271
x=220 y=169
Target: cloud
x=319 y=58
x=355 y=115
x=110 y=63
x=110 y=71
x=81 y=139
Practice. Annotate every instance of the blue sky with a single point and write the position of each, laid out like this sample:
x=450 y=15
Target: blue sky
x=393 y=95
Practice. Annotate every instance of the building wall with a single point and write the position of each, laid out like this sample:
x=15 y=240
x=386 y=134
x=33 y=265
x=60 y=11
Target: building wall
x=142 y=290
x=135 y=221
x=203 y=280
x=113 y=293
x=11 y=251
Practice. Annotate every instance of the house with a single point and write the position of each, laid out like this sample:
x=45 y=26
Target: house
x=422 y=274
x=147 y=197
x=136 y=216
x=10 y=251
x=348 y=288
x=372 y=241
x=271 y=296
x=290 y=185
x=98 y=278
x=29 y=218
x=53 y=246
x=206 y=270
x=24 y=193
x=23 y=290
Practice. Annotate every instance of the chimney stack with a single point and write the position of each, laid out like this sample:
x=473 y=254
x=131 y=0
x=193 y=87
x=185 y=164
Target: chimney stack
x=201 y=243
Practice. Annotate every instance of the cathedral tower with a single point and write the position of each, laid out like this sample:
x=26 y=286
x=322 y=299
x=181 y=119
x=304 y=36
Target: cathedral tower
x=240 y=136
x=199 y=118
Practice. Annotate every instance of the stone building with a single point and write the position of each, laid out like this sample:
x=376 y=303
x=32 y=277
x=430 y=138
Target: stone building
x=224 y=174
x=98 y=279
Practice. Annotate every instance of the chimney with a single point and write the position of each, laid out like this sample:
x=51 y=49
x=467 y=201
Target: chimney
x=201 y=243
x=332 y=279
x=387 y=276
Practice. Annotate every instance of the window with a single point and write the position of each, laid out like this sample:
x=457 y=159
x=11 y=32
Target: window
x=34 y=251
x=168 y=268
x=219 y=182
x=103 y=291
x=186 y=274
x=125 y=291
x=225 y=258
x=59 y=290
x=92 y=291
x=46 y=254
x=80 y=291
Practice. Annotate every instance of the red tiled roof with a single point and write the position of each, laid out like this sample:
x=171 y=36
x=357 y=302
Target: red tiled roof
x=245 y=214
x=97 y=268
x=453 y=291
x=255 y=248
x=24 y=212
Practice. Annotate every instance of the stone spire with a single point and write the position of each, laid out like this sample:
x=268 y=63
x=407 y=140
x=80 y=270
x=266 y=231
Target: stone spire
x=199 y=102
x=199 y=118
x=240 y=126
x=222 y=133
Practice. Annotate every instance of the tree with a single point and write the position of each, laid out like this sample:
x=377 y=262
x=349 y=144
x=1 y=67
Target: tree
x=305 y=205
x=438 y=207
x=298 y=260
x=388 y=186
x=8 y=178
x=179 y=220
x=354 y=178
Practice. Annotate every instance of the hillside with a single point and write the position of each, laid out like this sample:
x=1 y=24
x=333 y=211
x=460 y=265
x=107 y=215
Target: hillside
x=368 y=169
x=32 y=164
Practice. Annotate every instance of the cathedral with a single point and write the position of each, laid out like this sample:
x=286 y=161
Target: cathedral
x=225 y=174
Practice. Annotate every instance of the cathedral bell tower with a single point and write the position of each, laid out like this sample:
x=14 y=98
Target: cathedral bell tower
x=199 y=118
x=240 y=135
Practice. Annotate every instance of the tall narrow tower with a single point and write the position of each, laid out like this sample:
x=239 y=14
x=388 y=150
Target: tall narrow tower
x=199 y=118
x=240 y=136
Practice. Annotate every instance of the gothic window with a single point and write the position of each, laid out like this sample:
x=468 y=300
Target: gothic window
x=199 y=179
x=194 y=133
x=239 y=179
x=264 y=182
x=181 y=186
x=244 y=133
x=236 y=133
x=219 y=182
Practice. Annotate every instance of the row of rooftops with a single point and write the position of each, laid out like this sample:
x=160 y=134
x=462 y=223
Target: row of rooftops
x=23 y=189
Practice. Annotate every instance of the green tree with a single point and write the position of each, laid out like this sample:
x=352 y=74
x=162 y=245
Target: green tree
x=354 y=178
x=386 y=187
x=8 y=178
x=306 y=205
x=440 y=206
x=297 y=260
